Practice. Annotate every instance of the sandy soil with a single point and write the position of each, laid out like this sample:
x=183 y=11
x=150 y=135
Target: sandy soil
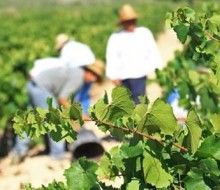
x=42 y=169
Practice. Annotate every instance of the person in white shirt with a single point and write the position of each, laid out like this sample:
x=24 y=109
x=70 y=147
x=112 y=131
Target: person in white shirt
x=131 y=54
x=73 y=53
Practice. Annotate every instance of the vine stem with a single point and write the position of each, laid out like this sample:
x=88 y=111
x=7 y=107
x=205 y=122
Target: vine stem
x=212 y=37
x=139 y=133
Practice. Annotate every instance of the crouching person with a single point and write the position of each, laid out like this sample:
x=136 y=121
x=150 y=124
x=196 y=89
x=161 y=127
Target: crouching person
x=51 y=77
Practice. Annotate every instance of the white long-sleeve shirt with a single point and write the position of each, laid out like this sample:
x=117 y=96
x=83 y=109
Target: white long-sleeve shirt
x=58 y=78
x=132 y=54
x=76 y=54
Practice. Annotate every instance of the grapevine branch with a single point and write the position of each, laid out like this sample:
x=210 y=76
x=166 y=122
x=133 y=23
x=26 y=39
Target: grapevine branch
x=212 y=37
x=139 y=133
x=125 y=130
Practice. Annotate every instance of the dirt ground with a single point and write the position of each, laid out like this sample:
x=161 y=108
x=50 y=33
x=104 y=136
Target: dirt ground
x=42 y=169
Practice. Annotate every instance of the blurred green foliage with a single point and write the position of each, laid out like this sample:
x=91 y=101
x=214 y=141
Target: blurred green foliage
x=28 y=29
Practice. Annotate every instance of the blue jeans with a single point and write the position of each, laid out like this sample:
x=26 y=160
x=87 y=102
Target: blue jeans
x=136 y=86
x=38 y=98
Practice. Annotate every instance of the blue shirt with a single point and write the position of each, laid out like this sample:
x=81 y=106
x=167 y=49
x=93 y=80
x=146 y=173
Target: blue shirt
x=82 y=96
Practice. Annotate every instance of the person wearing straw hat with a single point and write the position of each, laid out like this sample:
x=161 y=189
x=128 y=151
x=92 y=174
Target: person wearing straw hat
x=131 y=54
x=83 y=95
x=73 y=53
x=51 y=77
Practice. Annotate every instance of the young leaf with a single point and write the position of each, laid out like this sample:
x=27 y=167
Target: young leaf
x=129 y=151
x=194 y=180
x=117 y=158
x=182 y=31
x=215 y=19
x=215 y=121
x=161 y=116
x=121 y=97
x=209 y=165
x=50 y=103
x=81 y=175
x=154 y=174
x=100 y=110
x=194 y=77
x=210 y=148
x=194 y=134
x=207 y=101
x=190 y=13
x=133 y=185
x=121 y=103
x=104 y=170
x=75 y=112
x=140 y=113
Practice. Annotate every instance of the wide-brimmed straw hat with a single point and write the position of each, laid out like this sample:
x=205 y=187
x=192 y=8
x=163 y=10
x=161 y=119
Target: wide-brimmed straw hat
x=61 y=39
x=97 y=68
x=127 y=13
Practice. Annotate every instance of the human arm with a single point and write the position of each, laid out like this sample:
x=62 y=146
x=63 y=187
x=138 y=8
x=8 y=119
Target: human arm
x=116 y=82
x=63 y=102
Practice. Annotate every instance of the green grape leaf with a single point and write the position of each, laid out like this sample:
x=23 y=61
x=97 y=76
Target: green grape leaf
x=194 y=77
x=209 y=165
x=207 y=100
x=194 y=131
x=104 y=170
x=215 y=121
x=161 y=116
x=194 y=180
x=50 y=103
x=53 y=116
x=140 y=113
x=182 y=31
x=110 y=164
x=19 y=124
x=133 y=185
x=154 y=174
x=215 y=19
x=117 y=158
x=121 y=103
x=189 y=13
x=100 y=110
x=141 y=110
x=75 y=112
x=130 y=151
x=144 y=100
x=37 y=122
x=210 y=148
x=42 y=113
x=81 y=175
